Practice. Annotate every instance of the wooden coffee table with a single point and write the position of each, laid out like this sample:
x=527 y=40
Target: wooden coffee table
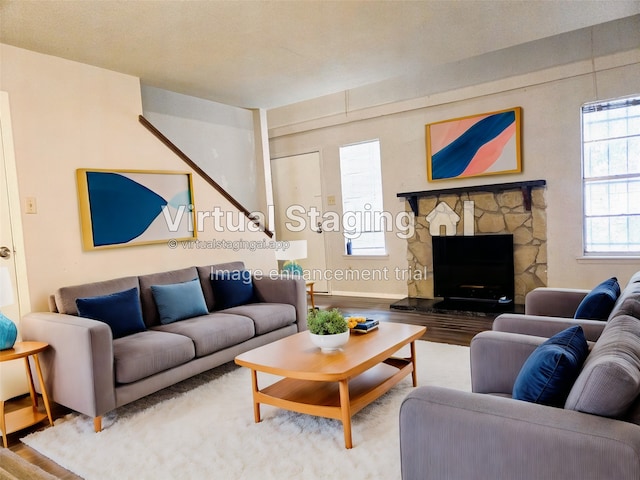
x=337 y=384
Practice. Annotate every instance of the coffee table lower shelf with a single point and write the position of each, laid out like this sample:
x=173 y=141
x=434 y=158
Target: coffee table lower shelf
x=338 y=400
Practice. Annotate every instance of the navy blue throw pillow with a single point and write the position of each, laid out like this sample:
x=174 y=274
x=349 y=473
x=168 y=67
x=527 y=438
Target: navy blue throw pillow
x=120 y=310
x=232 y=288
x=551 y=370
x=597 y=305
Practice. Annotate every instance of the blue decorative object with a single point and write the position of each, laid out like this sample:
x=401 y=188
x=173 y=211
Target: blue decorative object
x=597 y=305
x=551 y=370
x=293 y=250
x=232 y=288
x=292 y=267
x=8 y=333
x=120 y=310
x=349 y=247
x=178 y=301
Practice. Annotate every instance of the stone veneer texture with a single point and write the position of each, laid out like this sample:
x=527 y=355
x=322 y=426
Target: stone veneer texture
x=494 y=213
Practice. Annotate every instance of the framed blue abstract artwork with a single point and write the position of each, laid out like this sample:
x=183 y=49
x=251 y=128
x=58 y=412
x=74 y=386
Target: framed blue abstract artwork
x=120 y=208
x=477 y=145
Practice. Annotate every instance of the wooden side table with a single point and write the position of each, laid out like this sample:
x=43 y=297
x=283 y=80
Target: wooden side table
x=26 y=416
x=309 y=286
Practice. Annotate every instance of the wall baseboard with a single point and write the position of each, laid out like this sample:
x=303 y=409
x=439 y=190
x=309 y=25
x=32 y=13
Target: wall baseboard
x=391 y=296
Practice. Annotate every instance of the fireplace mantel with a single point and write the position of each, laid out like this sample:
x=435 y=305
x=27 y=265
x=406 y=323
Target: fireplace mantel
x=525 y=187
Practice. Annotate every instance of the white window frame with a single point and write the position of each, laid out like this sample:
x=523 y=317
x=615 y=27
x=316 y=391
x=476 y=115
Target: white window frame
x=611 y=189
x=363 y=221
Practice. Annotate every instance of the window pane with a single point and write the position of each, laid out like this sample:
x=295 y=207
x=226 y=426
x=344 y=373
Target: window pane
x=361 y=180
x=634 y=232
x=596 y=160
x=618 y=232
x=368 y=243
x=596 y=198
x=634 y=153
x=597 y=230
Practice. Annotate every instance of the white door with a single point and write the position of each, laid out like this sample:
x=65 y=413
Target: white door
x=297 y=187
x=12 y=374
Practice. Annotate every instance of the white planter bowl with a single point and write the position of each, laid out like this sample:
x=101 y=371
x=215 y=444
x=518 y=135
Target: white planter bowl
x=330 y=343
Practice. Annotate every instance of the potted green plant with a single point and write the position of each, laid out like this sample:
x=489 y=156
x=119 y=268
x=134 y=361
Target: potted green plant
x=328 y=329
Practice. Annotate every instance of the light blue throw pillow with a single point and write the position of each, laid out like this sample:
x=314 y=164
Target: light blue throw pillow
x=120 y=310
x=178 y=301
x=551 y=370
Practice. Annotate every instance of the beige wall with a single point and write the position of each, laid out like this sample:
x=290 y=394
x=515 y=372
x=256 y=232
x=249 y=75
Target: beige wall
x=68 y=115
x=550 y=100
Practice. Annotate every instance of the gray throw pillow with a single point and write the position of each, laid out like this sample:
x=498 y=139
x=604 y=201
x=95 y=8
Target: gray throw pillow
x=609 y=381
x=630 y=306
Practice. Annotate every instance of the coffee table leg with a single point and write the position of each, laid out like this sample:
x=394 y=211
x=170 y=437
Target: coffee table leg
x=414 y=374
x=345 y=407
x=256 y=404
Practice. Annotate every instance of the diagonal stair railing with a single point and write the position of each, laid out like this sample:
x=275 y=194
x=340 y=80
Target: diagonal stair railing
x=169 y=144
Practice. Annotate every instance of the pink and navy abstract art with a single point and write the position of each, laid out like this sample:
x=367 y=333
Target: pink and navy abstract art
x=477 y=145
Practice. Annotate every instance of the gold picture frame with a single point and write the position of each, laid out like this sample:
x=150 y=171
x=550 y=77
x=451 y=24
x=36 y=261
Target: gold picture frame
x=121 y=208
x=476 y=145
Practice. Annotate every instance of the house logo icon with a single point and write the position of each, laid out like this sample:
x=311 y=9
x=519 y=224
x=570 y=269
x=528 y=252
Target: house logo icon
x=442 y=216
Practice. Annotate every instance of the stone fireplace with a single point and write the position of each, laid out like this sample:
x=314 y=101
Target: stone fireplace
x=494 y=213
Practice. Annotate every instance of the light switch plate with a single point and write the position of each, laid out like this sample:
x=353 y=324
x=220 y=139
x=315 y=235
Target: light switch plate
x=30 y=205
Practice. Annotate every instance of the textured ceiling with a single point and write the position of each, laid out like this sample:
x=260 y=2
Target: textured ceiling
x=271 y=53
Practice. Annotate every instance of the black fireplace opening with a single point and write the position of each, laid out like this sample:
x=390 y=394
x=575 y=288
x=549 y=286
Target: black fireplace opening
x=474 y=272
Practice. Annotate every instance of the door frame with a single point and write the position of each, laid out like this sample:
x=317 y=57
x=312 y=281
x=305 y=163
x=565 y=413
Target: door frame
x=12 y=376
x=325 y=244
x=8 y=160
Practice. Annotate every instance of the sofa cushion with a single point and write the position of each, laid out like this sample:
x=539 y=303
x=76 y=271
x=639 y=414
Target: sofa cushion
x=144 y=354
x=548 y=374
x=65 y=297
x=149 y=309
x=120 y=310
x=232 y=288
x=206 y=273
x=178 y=301
x=599 y=302
x=267 y=317
x=212 y=332
x=610 y=378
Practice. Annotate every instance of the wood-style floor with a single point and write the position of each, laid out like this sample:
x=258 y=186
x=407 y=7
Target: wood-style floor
x=455 y=329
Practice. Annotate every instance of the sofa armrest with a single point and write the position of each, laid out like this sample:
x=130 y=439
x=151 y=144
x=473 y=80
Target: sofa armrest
x=496 y=360
x=554 y=302
x=547 y=327
x=447 y=433
x=78 y=366
x=285 y=289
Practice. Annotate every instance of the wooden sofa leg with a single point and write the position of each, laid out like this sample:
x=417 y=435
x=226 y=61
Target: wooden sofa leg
x=97 y=424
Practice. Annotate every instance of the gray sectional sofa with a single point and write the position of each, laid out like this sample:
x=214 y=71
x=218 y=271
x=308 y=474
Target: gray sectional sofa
x=89 y=371
x=446 y=434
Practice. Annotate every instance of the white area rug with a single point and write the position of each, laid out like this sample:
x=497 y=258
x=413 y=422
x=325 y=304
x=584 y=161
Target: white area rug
x=203 y=429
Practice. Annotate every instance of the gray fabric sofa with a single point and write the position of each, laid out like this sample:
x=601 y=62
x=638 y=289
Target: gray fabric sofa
x=89 y=371
x=550 y=310
x=449 y=434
